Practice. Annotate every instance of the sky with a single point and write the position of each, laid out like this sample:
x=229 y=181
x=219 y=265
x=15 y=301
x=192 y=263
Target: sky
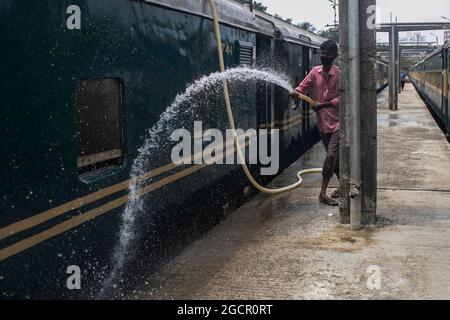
x=320 y=12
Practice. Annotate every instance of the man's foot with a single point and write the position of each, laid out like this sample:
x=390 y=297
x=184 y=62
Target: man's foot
x=328 y=201
x=335 y=194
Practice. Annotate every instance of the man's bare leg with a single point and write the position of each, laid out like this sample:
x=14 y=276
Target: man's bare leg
x=324 y=198
x=336 y=194
x=330 y=166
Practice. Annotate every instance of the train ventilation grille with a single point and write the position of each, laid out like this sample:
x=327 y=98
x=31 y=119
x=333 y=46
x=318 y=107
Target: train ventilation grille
x=246 y=53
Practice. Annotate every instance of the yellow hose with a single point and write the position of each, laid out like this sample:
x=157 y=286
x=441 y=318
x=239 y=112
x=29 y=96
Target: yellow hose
x=231 y=118
x=307 y=99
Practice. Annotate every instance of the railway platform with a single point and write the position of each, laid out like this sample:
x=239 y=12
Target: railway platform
x=289 y=246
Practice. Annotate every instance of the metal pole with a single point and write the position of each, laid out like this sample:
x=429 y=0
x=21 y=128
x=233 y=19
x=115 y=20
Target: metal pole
x=334 y=5
x=392 y=68
x=397 y=63
x=397 y=69
x=355 y=114
x=400 y=66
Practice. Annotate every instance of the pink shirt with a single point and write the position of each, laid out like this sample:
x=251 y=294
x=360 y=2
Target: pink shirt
x=324 y=88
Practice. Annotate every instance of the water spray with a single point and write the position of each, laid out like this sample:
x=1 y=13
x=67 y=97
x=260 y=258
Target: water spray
x=139 y=173
x=231 y=118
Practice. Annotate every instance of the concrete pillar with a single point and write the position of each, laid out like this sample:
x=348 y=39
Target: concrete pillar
x=344 y=169
x=368 y=116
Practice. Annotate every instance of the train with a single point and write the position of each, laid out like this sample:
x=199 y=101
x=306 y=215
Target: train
x=82 y=81
x=430 y=77
x=381 y=75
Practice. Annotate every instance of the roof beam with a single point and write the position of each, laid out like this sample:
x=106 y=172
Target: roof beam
x=402 y=27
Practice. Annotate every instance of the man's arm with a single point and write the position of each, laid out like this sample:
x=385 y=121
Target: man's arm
x=334 y=103
x=305 y=86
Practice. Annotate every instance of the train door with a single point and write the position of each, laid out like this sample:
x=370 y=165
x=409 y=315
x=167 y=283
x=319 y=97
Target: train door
x=305 y=107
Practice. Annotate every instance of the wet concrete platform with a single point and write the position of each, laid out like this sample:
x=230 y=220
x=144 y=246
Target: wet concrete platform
x=291 y=247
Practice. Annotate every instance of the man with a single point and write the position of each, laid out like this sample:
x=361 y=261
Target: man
x=403 y=79
x=323 y=84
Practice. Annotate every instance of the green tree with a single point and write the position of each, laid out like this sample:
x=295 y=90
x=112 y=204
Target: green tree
x=288 y=20
x=308 y=26
x=332 y=34
x=257 y=5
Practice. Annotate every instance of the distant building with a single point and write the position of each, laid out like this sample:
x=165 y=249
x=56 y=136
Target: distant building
x=414 y=37
x=447 y=35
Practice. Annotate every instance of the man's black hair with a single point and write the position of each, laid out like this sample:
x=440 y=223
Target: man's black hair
x=329 y=45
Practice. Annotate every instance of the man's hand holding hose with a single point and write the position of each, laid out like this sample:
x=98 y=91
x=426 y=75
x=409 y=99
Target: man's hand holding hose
x=314 y=105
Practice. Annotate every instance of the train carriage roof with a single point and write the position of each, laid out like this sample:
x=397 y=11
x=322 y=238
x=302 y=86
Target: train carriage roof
x=292 y=32
x=238 y=15
x=432 y=54
x=435 y=52
x=229 y=12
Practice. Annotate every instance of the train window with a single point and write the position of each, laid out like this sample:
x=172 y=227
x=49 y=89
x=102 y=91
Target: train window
x=246 y=53
x=98 y=120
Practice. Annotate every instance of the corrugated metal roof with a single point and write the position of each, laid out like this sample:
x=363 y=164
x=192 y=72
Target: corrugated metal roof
x=238 y=15
x=229 y=12
x=292 y=32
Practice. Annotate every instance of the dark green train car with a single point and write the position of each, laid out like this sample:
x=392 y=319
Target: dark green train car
x=77 y=99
